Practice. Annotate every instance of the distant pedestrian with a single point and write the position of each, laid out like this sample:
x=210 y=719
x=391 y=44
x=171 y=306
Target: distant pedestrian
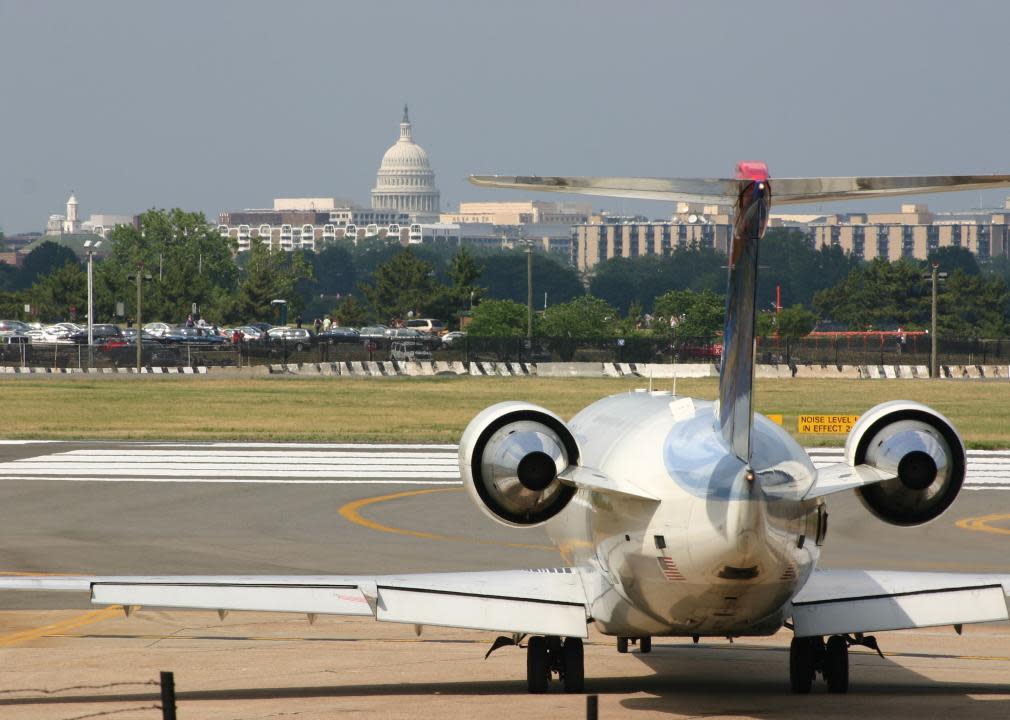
x=317 y=325
x=189 y=321
x=327 y=323
x=298 y=322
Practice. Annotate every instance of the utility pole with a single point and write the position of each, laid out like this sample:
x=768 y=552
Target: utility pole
x=140 y=279
x=529 y=292
x=933 y=364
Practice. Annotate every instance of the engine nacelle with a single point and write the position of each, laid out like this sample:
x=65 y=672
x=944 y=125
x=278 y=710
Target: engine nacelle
x=921 y=447
x=510 y=456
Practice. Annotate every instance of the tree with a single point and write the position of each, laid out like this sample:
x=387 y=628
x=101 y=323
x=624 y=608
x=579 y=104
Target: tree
x=796 y=322
x=189 y=261
x=789 y=262
x=694 y=314
x=463 y=293
x=585 y=317
x=504 y=277
x=402 y=285
x=40 y=262
x=268 y=275
x=498 y=319
x=350 y=312
x=954 y=258
x=878 y=294
x=55 y=293
x=623 y=281
x=972 y=306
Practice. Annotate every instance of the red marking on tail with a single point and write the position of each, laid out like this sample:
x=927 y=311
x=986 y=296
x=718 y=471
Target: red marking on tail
x=751 y=170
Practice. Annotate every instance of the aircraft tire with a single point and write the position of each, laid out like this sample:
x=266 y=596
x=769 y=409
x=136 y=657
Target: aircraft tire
x=836 y=664
x=645 y=644
x=801 y=665
x=574 y=665
x=538 y=670
x=622 y=645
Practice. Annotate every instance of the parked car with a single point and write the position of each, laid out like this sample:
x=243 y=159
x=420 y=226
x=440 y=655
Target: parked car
x=409 y=350
x=429 y=326
x=297 y=339
x=252 y=333
x=193 y=335
x=158 y=329
x=451 y=338
x=338 y=334
x=373 y=332
x=58 y=333
x=14 y=327
x=101 y=334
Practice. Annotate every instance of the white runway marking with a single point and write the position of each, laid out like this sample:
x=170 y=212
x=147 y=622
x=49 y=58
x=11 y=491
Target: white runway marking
x=326 y=463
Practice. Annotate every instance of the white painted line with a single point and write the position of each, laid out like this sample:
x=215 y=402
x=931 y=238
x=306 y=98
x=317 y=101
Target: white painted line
x=245 y=481
x=197 y=470
x=226 y=461
x=191 y=454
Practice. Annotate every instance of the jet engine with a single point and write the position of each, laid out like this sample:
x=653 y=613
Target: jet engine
x=510 y=457
x=920 y=447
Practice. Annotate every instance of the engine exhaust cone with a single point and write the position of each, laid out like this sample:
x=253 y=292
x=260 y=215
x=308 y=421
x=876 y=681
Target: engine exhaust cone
x=917 y=470
x=536 y=471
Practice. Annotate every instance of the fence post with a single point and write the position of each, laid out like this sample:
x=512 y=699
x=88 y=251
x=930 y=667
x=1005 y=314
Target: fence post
x=167 y=695
x=592 y=707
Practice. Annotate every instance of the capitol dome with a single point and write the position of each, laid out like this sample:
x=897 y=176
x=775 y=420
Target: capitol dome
x=405 y=181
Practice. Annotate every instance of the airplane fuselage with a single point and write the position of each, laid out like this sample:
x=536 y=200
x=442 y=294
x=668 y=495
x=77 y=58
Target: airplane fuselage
x=725 y=547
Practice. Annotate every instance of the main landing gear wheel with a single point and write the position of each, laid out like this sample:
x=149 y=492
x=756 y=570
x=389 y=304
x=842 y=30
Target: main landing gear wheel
x=802 y=664
x=836 y=664
x=622 y=645
x=574 y=668
x=645 y=644
x=548 y=655
x=538 y=670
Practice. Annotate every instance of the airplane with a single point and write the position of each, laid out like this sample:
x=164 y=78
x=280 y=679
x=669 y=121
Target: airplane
x=676 y=517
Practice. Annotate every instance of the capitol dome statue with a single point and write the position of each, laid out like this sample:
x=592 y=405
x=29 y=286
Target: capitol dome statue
x=405 y=181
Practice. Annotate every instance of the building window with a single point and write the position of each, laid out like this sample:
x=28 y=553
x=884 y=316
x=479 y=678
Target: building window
x=955 y=235
x=907 y=243
x=983 y=241
x=883 y=242
x=836 y=235
x=932 y=238
x=859 y=242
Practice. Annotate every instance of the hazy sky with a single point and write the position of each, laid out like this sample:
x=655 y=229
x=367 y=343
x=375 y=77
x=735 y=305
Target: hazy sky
x=224 y=105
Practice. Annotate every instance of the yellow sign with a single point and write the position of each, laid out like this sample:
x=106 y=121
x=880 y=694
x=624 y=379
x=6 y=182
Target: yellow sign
x=777 y=419
x=825 y=424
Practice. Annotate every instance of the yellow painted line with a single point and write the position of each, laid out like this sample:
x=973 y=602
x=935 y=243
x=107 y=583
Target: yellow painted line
x=350 y=512
x=984 y=523
x=60 y=627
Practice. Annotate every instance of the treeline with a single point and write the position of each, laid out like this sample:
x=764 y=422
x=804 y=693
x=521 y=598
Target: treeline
x=380 y=281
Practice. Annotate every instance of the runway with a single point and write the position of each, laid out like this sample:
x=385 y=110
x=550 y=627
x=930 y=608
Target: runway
x=339 y=508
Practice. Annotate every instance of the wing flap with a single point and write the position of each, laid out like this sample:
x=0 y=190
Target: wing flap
x=840 y=602
x=291 y=598
x=584 y=477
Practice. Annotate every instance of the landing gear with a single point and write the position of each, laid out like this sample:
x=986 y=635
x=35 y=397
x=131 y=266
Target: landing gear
x=836 y=664
x=808 y=656
x=644 y=644
x=548 y=655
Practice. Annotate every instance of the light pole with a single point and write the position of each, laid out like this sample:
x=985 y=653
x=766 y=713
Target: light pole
x=140 y=276
x=529 y=292
x=934 y=364
x=91 y=249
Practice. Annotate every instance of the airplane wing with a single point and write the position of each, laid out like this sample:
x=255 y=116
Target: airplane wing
x=541 y=602
x=840 y=602
x=785 y=191
x=842 y=476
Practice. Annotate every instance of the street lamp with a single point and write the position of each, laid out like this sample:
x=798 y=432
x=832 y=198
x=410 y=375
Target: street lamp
x=934 y=365
x=91 y=248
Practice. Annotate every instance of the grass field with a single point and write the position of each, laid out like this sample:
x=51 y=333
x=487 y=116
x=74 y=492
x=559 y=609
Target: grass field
x=422 y=409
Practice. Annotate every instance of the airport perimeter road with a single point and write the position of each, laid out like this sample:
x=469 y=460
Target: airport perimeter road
x=124 y=508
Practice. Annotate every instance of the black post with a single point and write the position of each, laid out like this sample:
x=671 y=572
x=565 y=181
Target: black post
x=592 y=707
x=167 y=696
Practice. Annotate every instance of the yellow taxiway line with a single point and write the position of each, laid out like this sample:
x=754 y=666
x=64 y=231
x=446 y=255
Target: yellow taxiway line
x=60 y=627
x=984 y=523
x=351 y=512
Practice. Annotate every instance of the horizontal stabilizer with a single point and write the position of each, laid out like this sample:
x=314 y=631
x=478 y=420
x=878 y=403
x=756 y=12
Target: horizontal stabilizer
x=842 y=476
x=785 y=191
x=583 y=477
